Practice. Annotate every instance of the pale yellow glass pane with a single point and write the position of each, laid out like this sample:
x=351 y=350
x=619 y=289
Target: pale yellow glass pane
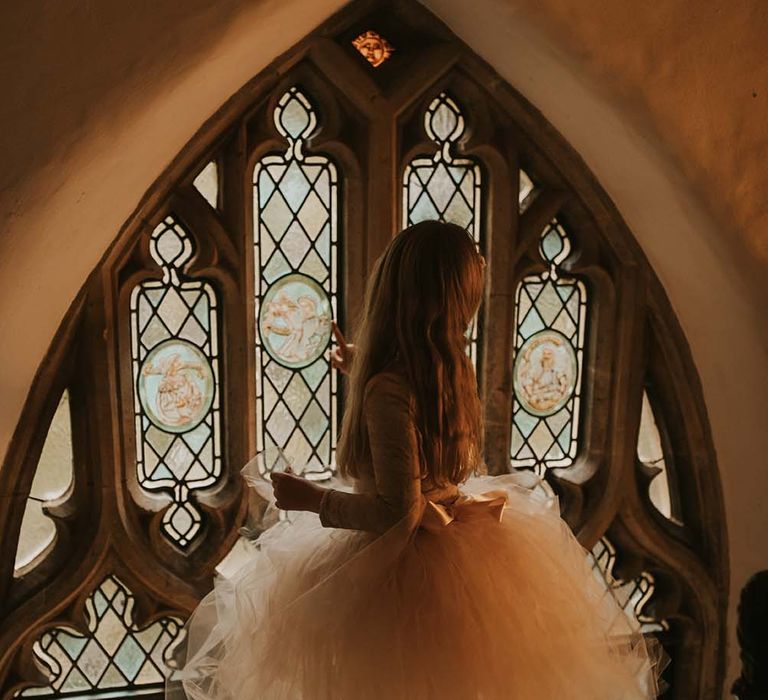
x=207 y=183
x=526 y=187
x=37 y=533
x=650 y=452
x=54 y=470
x=53 y=478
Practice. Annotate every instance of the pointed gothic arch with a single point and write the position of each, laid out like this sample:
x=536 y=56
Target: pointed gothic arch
x=364 y=108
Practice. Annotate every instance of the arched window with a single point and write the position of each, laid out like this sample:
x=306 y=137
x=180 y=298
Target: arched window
x=200 y=339
x=174 y=344
x=550 y=327
x=296 y=258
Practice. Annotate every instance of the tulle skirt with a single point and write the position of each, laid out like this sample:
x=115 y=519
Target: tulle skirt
x=478 y=603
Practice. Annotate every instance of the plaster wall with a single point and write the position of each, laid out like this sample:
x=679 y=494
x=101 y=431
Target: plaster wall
x=697 y=74
x=656 y=98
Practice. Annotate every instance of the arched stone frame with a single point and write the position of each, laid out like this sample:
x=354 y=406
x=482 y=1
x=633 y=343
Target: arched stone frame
x=365 y=114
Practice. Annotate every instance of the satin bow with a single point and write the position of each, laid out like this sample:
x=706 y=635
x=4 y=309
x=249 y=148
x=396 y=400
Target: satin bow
x=437 y=516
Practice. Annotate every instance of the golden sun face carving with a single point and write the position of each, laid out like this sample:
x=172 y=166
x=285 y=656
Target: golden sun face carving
x=373 y=47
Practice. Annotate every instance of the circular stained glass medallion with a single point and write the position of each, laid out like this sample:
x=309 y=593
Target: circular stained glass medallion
x=176 y=386
x=295 y=321
x=545 y=373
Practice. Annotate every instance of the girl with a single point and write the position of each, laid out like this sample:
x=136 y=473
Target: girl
x=426 y=582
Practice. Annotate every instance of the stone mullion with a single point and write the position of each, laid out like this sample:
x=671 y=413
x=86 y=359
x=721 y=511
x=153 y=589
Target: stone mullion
x=500 y=218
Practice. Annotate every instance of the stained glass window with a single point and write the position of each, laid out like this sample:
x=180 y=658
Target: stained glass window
x=443 y=186
x=550 y=314
x=116 y=658
x=207 y=183
x=632 y=596
x=650 y=452
x=296 y=250
x=53 y=479
x=174 y=324
x=284 y=162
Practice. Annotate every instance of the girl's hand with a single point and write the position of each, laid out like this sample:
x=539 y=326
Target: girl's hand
x=341 y=356
x=295 y=493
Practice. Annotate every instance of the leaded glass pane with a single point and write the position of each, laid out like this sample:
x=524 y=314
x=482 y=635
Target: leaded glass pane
x=53 y=478
x=550 y=315
x=297 y=271
x=174 y=329
x=651 y=453
x=632 y=596
x=115 y=655
x=207 y=183
x=442 y=186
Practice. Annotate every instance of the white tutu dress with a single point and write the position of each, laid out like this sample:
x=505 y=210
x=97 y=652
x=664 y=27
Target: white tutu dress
x=403 y=591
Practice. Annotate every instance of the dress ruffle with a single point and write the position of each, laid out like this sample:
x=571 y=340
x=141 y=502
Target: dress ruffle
x=468 y=606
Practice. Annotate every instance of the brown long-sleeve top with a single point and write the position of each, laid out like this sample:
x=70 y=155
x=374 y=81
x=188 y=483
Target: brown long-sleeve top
x=390 y=487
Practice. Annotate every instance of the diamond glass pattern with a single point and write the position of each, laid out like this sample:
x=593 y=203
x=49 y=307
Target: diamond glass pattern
x=444 y=187
x=296 y=254
x=550 y=320
x=632 y=596
x=53 y=478
x=174 y=335
x=116 y=658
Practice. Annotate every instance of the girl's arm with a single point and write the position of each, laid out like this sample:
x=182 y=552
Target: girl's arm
x=394 y=451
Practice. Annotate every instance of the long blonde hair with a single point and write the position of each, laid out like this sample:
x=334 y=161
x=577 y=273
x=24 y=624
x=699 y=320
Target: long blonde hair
x=420 y=300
